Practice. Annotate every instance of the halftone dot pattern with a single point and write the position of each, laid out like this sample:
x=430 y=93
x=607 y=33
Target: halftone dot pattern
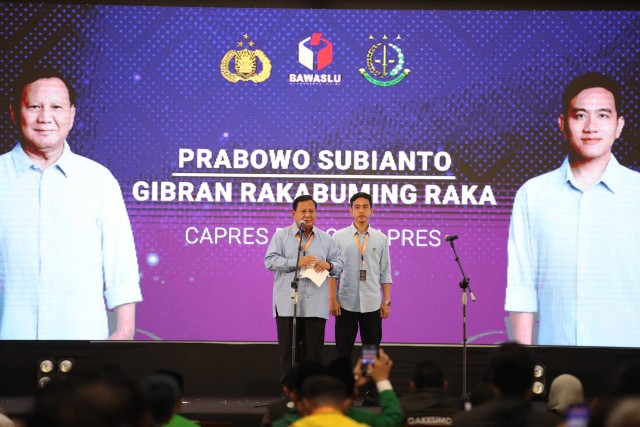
x=484 y=86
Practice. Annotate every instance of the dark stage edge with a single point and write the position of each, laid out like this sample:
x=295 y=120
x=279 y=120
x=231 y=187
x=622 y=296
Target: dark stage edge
x=208 y=411
x=239 y=370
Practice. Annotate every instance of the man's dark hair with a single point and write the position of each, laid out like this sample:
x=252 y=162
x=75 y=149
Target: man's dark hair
x=324 y=388
x=177 y=376
x=31 y=75
x=162 y=394
x=288 y=380
x=588 y=81
x=303 y=371
x=511 y=369
x=359 y=195
x=626 y=380
x=303 y=198
x=340 y=368
x=428 y=374
x=100 y=396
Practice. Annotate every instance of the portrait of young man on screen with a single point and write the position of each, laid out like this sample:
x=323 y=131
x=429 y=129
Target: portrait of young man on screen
x=573 y=251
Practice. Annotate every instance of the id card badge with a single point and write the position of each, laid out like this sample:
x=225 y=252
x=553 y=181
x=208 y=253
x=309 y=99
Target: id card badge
x=363 y=275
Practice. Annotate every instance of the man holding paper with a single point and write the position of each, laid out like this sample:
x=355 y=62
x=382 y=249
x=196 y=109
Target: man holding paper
x=319 y=263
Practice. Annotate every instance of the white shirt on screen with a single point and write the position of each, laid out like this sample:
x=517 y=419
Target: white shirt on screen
x=66 y=247
x=574 y=257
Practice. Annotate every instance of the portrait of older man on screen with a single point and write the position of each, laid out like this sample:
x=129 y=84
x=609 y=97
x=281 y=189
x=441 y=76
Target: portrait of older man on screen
x=574 y=256
x=67 y=252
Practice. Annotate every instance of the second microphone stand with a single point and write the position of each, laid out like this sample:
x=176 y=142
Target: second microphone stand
x=464 y=285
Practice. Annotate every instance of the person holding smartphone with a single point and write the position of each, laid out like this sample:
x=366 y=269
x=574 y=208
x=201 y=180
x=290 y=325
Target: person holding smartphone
x=358 y=302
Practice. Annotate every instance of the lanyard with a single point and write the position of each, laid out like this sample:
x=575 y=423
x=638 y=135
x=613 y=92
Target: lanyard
x=304 y=247
x=361 y=247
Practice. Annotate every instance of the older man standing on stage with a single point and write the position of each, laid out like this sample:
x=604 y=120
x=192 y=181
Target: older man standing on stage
x=320 y=253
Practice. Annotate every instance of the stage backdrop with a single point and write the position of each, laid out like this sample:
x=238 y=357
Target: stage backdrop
x=441 y=115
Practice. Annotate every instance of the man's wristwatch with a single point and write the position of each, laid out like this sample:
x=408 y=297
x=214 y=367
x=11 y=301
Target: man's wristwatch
x=387 y=302
x=330 y=265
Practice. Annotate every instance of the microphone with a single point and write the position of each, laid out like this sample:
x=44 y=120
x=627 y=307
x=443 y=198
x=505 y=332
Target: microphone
x=302 y=226
x=451 y=238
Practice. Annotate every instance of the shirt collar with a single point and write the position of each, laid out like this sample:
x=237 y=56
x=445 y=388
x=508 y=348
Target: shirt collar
x=354 y=229
x=296 y=230
x=22 y=162
x=612 y=177
x=65 y=162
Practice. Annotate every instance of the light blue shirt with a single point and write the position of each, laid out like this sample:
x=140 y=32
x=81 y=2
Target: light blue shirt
x=353 y=294
x=66 y=246
x=313 y=301
x=574 y=257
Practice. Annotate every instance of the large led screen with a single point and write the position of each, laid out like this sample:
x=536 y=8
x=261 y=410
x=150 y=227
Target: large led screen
x=440 y=114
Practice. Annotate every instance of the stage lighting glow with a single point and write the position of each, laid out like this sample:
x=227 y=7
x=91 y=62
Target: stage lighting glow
x=46 y=366
x=538 y=371
x=44 y=381
x=538 y=388
x=153 y=259
x=65 y=366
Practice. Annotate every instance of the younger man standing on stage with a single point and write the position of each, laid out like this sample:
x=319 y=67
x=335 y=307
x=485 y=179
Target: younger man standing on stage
x=366 y=269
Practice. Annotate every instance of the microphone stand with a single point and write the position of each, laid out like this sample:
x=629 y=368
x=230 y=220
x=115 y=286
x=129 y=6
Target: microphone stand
x=294 y=297
x=464 y=285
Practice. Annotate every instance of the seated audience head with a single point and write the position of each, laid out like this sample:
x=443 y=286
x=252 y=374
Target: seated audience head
x=510 y=370
x=162 y=395
x=428 y=374
x=565 y=390
x=626 y=380
x=484 y=391
x=625 y=414
x=302 y=372
x=341 y=369
x=323 y=391
x=99 y=396
x=177 y=376
x=288 y=383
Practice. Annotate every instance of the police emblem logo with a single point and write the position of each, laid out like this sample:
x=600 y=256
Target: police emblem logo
x=248 y=64
x=385 y=63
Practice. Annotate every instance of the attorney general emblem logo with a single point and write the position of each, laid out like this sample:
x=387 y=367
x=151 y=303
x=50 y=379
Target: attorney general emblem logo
x=385 y=63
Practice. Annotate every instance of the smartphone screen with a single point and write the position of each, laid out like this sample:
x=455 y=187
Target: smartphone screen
x=369 y=353
x=577 y=416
